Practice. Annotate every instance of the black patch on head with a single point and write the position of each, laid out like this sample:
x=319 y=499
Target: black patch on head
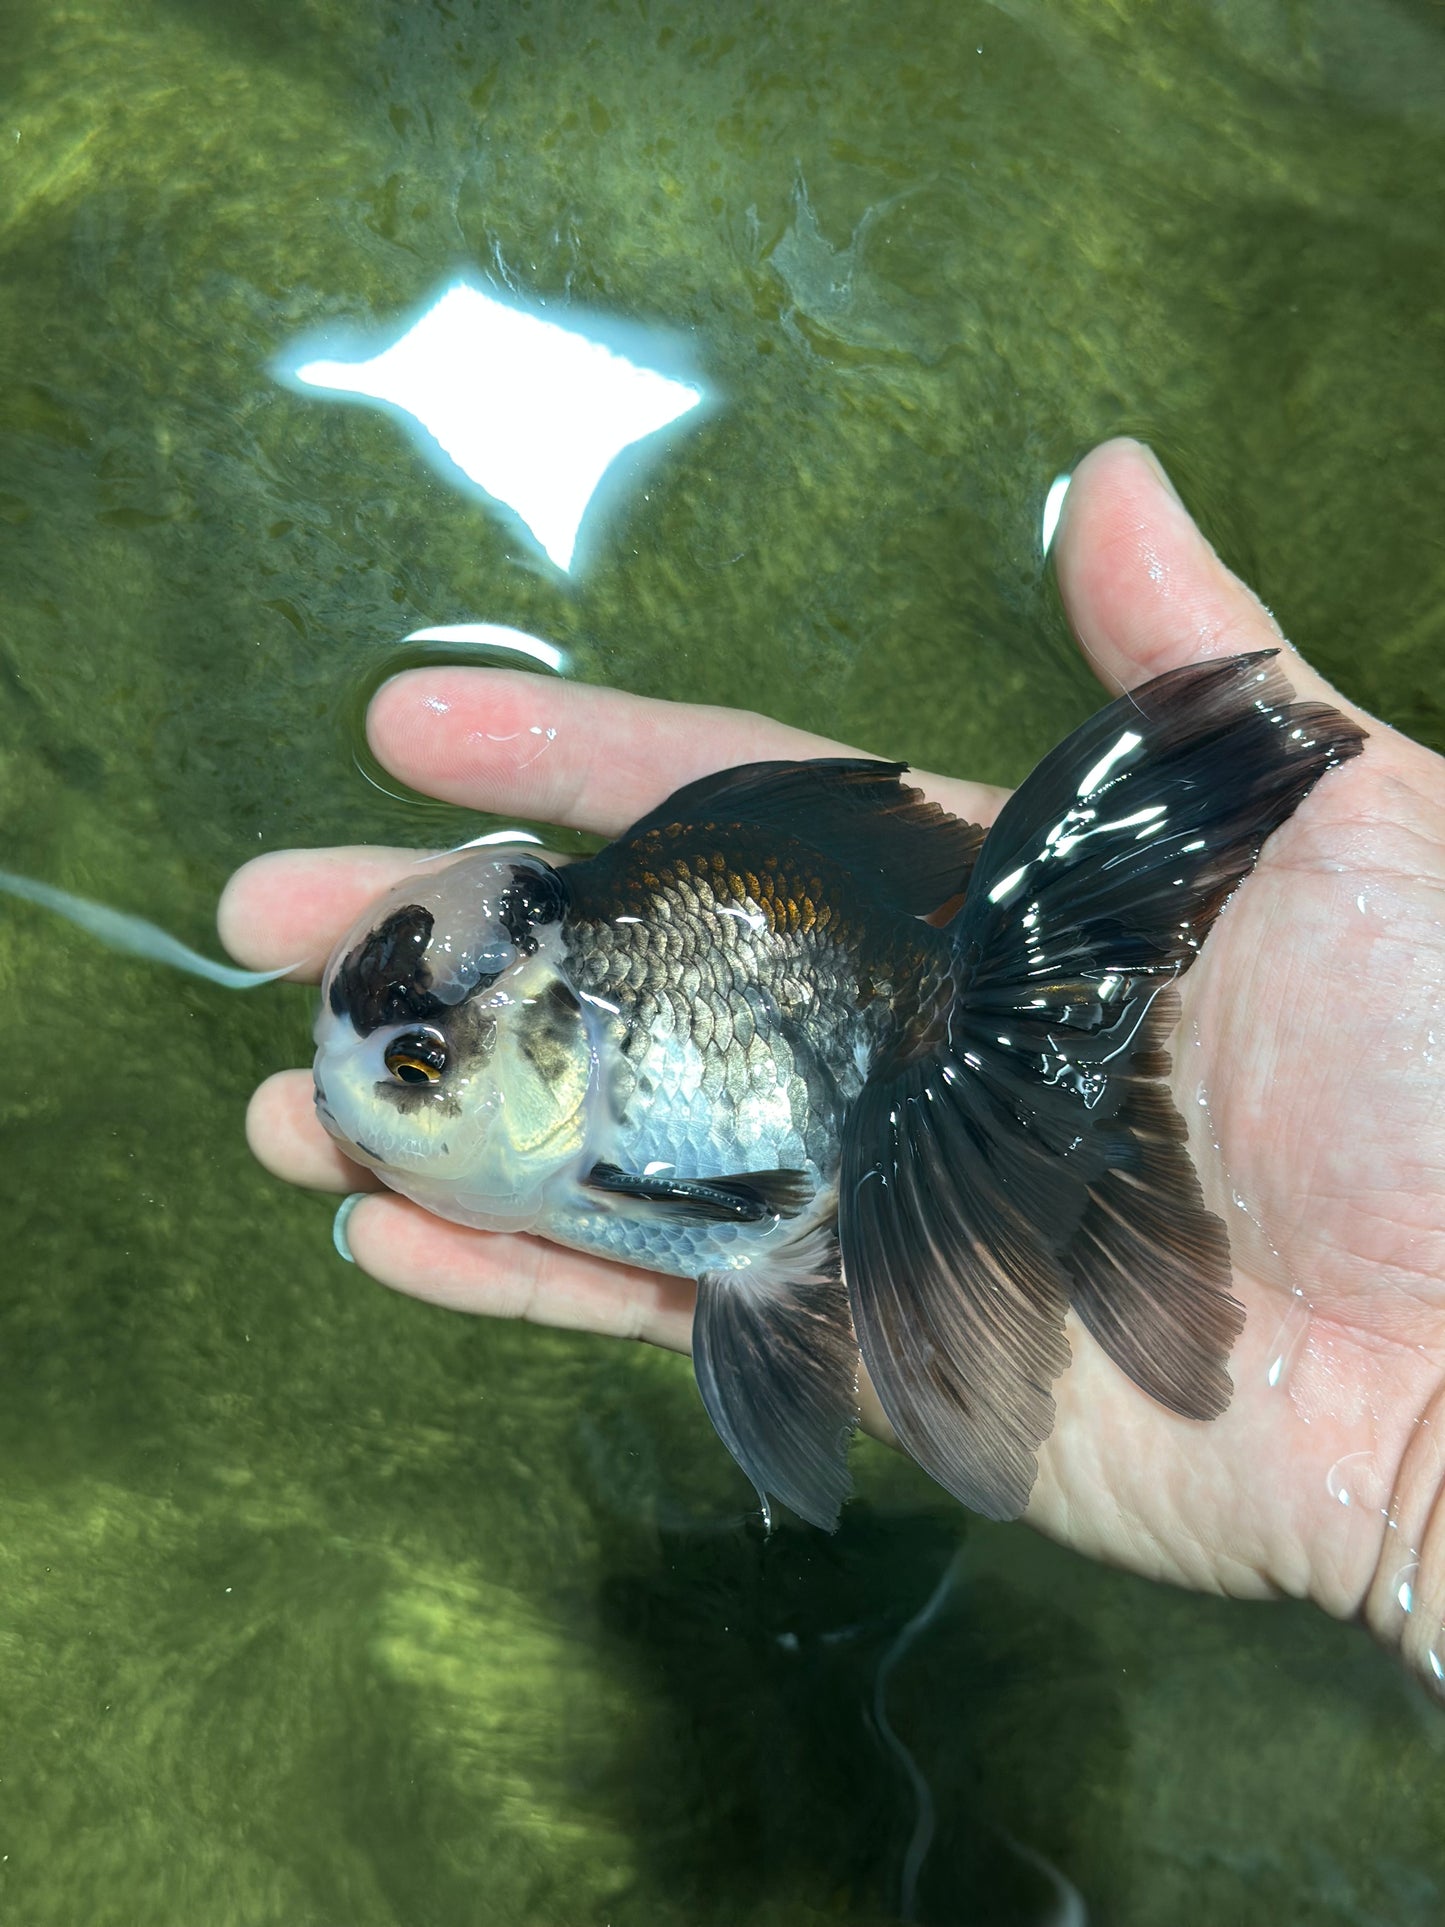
x=386 y=980
x=531 y=898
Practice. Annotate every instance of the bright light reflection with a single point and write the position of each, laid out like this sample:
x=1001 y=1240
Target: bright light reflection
x=529 y=411
x=483 y=842
x=1053 y=508
x=1127 y=742
x=494 y=635
x=1005 y=884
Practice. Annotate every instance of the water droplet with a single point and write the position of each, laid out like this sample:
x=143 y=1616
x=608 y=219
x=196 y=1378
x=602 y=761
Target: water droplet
x=1349 y=1479
x=1437 y=1665
x=1403 y=1586
x=1288 y=1342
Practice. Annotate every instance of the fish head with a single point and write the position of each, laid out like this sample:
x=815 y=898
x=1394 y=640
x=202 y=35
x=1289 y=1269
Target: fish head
x=453 y=1057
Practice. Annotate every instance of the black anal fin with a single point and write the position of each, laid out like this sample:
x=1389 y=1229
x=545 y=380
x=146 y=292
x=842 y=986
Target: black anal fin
x=777 y=1366
x=749 y=1197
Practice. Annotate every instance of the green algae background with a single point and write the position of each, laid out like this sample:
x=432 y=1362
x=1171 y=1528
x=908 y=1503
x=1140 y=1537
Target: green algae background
x=318 y=1606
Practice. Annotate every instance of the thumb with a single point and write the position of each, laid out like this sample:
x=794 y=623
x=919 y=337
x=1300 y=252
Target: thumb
x=1143 y=589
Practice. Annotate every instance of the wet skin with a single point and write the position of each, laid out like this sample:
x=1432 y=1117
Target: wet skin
x=1314 y=1021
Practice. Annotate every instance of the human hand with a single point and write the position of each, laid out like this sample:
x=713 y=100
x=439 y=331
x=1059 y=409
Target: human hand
x=1310 y=1024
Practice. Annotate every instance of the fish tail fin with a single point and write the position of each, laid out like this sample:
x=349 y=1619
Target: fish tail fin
x=1030 y=1157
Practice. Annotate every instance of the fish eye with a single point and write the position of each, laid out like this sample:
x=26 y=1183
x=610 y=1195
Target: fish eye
x=416 y=1057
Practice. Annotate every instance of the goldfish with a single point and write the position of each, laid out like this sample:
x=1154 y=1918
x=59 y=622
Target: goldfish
x=891 y=1088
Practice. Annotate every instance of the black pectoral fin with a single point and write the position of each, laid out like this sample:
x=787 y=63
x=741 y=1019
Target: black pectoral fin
x=950 y=1218
x=849 y=808
x=750 y=1197
x=777 y=1366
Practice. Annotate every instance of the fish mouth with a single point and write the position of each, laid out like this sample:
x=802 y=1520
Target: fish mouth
x=352 y=1146
x=333 y=1129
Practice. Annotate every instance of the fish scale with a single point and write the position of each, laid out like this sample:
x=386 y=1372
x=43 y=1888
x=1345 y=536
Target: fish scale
x=716 y=1084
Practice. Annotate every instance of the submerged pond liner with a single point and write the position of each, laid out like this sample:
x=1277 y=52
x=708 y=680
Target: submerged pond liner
x=322 y=1605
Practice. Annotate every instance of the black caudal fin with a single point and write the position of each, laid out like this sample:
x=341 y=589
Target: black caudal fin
x=1034 y=1159
x=777 y=1366
x=851 y=809
x=1120 y=849
x=1149 y=1266
x=948 y=1218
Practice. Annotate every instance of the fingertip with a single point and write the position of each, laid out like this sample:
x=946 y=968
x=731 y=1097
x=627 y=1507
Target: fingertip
x=399 y=1245
x=268 y=1124
x=393 y=712
x=287 y=1138
x=290 y=906
x=394 y=1243
x=437 y=728
x=1143 y=588
x=244 y=913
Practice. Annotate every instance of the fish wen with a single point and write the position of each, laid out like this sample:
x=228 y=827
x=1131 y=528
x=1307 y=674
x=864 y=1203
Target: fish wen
x=729 y=1047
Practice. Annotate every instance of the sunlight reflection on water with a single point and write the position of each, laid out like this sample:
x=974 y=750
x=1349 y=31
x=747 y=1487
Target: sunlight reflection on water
x=531 y=412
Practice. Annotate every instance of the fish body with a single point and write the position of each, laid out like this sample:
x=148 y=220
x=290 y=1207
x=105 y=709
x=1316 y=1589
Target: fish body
x=730 y=1048
x=740 y=988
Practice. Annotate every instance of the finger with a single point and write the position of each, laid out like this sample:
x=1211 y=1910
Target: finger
x=501 y=1276
x=290 y=906
x=1143 y=589
x=286 y=1135
x=594 y=759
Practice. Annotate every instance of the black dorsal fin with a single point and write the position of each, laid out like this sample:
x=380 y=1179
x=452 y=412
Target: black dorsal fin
x=849 y=809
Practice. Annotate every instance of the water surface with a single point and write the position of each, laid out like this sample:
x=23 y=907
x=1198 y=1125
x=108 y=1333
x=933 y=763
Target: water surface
x=318 y=1606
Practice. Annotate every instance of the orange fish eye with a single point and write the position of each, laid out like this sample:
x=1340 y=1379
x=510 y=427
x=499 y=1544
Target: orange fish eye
x=416 y=1057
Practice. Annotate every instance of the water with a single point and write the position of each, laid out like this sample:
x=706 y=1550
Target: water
x=321 y=1606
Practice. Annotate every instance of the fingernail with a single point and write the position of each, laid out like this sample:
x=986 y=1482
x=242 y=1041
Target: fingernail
x=339 y=1223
